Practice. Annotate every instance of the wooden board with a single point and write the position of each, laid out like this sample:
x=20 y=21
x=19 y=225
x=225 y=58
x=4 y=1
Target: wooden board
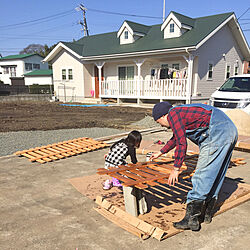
x=61 y=150
x=144 y=174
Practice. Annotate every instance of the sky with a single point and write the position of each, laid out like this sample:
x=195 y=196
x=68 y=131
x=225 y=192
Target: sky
x=24 y=22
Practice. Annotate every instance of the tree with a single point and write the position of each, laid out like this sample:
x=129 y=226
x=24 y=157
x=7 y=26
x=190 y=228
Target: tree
x=42 y=50
x=32 y=48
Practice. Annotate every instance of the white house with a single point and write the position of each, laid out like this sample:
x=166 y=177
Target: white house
x=18 y=65
x=40 y=77
x=183 y=59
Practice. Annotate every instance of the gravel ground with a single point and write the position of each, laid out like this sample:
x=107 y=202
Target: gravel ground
x=12 y=142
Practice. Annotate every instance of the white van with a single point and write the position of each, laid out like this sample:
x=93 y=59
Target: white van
x=234 y=93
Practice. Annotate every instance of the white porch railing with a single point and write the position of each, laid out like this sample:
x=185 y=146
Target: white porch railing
x=148 y=89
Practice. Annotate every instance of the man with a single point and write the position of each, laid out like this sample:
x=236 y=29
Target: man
x=216 y=135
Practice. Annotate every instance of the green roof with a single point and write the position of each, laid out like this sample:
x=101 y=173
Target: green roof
x=108 y=43
x=137 y=27
x=184 y=19
x=40 y=72
x=16 y=56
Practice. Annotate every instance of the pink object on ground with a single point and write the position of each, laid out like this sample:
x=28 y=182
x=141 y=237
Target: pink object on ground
x=116 y=182
x=107 y=185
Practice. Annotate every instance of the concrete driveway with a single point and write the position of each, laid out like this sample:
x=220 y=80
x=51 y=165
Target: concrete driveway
x=40 y=209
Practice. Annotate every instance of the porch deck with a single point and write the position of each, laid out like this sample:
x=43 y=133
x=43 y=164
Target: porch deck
x=175 y=89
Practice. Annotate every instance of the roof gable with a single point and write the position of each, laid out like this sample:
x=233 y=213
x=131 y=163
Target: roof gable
x=133 y=32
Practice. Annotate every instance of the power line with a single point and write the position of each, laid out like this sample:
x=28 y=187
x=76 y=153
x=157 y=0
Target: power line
x=121 y=14
x=37 y=21
x=244 y=13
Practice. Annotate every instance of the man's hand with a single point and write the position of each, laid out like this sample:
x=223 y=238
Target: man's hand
x=173 y=177
x=155 y=155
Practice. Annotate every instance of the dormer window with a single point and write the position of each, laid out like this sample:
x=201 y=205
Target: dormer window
x=126 y=34
x=130 y=32
x=176 y=24
x=171 y=30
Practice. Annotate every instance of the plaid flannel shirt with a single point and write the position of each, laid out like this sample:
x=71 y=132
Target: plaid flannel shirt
x=182 y=118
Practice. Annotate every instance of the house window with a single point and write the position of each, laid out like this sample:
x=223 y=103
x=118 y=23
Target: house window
x=126 y=73
x=176 y=66
x=171 y=28
x=126 y=35
x=64 y=74
x=28 y=66
x=6 y=70
x=164 y=71
x=70 y=74
x=210 y=71
x=228 y=71
x=36 y=66
x=236 y=70
x=13 y=71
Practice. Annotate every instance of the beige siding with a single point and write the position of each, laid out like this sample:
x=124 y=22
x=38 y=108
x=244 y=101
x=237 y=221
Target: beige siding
x=74 y=88
x=212 y=51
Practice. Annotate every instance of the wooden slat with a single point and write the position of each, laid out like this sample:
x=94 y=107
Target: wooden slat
x=61 y=150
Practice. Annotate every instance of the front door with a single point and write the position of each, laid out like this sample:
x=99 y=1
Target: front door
x=97 y=81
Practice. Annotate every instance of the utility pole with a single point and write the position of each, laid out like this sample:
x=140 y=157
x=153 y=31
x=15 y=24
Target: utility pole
x=163 y=18
x=84 y=22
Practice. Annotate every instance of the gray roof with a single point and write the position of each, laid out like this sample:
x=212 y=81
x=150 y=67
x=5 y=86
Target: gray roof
x=109 y=43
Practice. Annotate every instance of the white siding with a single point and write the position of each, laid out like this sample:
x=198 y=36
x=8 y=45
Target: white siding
x=41 y=80
x=125 y=41
x=212 y=51
x=176 y=33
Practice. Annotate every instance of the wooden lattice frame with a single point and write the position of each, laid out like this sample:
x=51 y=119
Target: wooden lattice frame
x=145 y=174
x=61 y=150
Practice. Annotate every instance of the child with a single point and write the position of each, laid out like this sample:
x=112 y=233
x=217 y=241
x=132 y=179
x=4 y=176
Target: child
x=118 y=153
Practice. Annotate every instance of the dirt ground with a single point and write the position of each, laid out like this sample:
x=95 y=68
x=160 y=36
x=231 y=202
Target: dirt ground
x=25 y=116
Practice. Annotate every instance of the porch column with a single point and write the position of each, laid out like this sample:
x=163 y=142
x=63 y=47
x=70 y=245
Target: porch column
x=99 y=65
x=190 y=61
x=139 y=64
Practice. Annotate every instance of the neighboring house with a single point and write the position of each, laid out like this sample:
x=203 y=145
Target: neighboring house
x=182 y=60
x=40 y=77
x=15 y=66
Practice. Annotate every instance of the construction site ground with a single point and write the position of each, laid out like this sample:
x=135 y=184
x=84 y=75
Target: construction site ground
x=26 y=116
x=40 y=209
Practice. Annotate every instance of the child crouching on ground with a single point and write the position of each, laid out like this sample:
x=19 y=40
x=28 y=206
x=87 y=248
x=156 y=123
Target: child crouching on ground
x=118 y=153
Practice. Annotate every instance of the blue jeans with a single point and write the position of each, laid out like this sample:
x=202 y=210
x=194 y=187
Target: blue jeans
x=216 y=144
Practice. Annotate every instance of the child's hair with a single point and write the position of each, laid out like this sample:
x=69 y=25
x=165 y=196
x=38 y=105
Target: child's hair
x=133 y=139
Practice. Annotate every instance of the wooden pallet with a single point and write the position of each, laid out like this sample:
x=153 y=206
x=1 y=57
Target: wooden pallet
x=145 y=174
x=61 y=150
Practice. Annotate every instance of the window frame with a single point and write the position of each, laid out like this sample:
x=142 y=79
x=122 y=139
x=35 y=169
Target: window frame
x=227 y=72
x=28 y=68
x=70 y=75
x=6 y=70
x=126 y=72
x=36 y=66
x=126 y=35
x=236 y=72
x=64 y=76
x=208 y=71
x=171 y=28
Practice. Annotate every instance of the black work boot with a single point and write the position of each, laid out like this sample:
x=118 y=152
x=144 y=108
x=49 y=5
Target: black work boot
x=191 y=219
x=209 y=210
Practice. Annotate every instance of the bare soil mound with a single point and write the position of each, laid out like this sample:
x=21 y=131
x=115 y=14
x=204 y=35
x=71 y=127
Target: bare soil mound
x=26 y=116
